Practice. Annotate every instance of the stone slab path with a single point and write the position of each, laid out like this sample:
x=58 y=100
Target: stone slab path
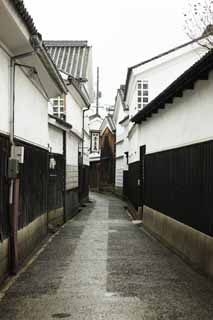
x=101 y=266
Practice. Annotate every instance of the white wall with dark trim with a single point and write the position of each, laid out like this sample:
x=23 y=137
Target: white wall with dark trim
x=186 y=121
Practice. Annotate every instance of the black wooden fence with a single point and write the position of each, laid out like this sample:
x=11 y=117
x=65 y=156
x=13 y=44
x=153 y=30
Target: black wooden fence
x=83 y=182
x=179 y=183
x=125 y=183
x=4 y=188
x=33 y=184
x=56 y=183
x=133 y=183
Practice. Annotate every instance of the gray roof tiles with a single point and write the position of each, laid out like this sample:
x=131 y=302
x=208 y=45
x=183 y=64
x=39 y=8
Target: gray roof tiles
x=70 y=57
x=24 y=14
x=111 y=122
x=66 y=43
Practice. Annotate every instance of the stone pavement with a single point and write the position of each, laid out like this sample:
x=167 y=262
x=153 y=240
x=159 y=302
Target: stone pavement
x=101 y=266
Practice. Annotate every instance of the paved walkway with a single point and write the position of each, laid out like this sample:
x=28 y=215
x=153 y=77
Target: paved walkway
x=101 y=266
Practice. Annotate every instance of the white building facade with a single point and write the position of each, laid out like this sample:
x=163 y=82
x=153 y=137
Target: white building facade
x=170 y=154
x=28 y=78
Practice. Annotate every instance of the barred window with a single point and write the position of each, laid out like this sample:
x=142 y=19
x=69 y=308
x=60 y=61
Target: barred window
x=142 y=93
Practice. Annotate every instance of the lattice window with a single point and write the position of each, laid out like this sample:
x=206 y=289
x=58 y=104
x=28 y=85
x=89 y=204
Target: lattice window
x=142 y=93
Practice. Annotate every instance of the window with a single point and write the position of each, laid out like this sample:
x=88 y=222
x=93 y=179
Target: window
x=58 y=108
x=142 y=93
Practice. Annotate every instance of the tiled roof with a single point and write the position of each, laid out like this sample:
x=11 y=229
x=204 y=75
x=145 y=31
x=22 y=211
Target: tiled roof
x=111 y=122
x=96 y=115
x=24 y=14
x=66 y=43
x=70 y=57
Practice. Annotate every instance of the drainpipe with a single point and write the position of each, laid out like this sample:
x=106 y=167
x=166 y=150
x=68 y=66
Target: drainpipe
x=83 y=134
x=83 y=126
x=13 y=172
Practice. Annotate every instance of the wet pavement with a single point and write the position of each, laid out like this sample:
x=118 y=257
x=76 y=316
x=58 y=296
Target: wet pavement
x=101 y=266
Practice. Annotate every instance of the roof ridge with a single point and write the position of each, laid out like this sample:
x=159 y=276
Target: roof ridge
x=66 y=43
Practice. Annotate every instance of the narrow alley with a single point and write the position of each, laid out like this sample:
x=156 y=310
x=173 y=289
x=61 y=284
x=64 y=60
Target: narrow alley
x=101 y=266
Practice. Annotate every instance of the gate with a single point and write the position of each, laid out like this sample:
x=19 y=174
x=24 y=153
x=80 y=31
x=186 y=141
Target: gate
x=133 y=181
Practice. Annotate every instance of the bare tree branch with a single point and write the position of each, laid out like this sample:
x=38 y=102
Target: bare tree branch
x=198 y=20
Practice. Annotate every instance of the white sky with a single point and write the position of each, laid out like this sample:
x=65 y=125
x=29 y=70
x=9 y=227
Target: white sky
x=121 y=32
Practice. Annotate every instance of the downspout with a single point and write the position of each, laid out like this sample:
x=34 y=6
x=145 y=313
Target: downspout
x=65 y=163
x=84 y=110
x=83 y=135
x=13 y=172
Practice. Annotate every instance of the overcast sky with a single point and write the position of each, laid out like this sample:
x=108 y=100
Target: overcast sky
x=121 y=32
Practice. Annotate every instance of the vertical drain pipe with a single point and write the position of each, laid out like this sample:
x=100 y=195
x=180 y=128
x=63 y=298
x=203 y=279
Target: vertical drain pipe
x=14 y=180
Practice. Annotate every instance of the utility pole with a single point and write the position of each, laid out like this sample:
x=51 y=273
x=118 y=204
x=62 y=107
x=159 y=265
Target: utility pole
x=97 y=94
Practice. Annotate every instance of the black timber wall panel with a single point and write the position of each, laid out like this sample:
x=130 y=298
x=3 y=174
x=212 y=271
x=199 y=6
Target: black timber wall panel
x=83 y=182
x=94 y=173
x=4 y=188
x=125 y=183
x=72 y=203
x=56 y=183
x=33 y=184
x=134 y=173
x=179 y=183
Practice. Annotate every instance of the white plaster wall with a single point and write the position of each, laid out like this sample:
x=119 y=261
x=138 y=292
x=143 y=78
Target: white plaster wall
x=31 y=112
x=31 y=108
x=119 y=115
x=122 y=146
x=188 y=120
x=4 y=92
x=74 y=113
x=72 y=149
x=120 y=149
x=133 y=144
x=72 y=144
x=86 y=149
x=119 y=168
x=95 y=124
x=161 y=74
x=56 y=139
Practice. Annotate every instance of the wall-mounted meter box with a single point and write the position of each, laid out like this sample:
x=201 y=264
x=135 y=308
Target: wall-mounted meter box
x=13 y=168
x=18 y=154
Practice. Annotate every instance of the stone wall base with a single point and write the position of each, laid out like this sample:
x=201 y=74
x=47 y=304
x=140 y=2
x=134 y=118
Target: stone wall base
x=118 y=191
x=56 y=217
x=193 y=246
x=29 y=238
x=72 y=203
